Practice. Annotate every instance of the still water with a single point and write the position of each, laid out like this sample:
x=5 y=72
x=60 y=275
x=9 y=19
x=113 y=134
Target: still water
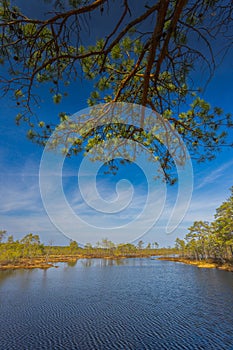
x=104 y=304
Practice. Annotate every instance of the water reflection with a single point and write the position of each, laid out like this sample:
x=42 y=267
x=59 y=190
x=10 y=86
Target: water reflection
x=72 y=263
x=4 y=274
x=22 y=275
x=102 y=262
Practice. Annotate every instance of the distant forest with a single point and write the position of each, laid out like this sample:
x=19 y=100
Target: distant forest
x=30 y=247
x=204 y=240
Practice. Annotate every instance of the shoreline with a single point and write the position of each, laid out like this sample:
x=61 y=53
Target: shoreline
x=42 y=263
x=206 y=264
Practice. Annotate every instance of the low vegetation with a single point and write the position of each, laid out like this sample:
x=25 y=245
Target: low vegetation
x=205 y=245
x=29 y=252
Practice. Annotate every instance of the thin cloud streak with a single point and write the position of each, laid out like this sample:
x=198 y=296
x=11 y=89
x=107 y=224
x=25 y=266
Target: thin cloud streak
x=214 y=175
x=20 y=199
x=22 y=209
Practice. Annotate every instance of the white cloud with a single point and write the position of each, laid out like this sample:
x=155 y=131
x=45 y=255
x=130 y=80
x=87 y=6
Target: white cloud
x=22 y=209
x=214 y=175
x=22 y=198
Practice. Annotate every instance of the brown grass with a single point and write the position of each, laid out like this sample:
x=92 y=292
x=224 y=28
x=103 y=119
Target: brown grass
x=207 y=264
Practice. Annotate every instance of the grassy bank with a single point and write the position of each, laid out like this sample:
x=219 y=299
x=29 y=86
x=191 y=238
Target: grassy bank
x=49 y=260
x=208 y=264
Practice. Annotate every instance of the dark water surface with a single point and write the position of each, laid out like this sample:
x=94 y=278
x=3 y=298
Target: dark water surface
x=104 y=304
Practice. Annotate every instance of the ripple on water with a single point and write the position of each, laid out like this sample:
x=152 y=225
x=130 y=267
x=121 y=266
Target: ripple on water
x=139 y=305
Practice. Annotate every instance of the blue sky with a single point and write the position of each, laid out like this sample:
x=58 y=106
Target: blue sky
x=21 y=207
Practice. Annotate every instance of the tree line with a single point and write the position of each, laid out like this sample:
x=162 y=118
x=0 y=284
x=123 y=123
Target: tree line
x=211 y=240
x=204 y=240
x=30 y=247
